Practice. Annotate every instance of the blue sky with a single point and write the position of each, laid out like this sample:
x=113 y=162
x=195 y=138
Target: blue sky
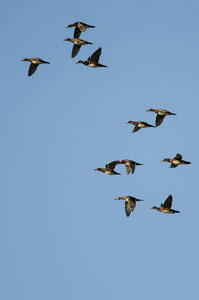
x=62 y=234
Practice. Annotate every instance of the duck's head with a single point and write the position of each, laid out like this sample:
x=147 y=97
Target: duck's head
x=66 y=39
x=79 y=62
x=150 y=109
x=130 y=122
x=166 y=159
x=24 y=59
x=97 y=169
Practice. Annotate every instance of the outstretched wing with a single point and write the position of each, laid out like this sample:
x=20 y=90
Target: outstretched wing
x=111 y=165
x=75 y=50
x=32 y=69
x=178 y=156
x=159 y=120
x=173 y=166
x=136 y=128
x=130 y=167
x=77 y=32
x=96 y=55
x=168 y=202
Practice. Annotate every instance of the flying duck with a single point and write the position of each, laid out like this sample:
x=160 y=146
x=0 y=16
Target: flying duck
x=35 y=62
x=130 y=165
x=109 y=168
x=161 y=114
x=177 y=160
x=92 y=61
x=77 y=45
x=166 y=206
x=139 y=125
x=79 y=27
x=130 y=203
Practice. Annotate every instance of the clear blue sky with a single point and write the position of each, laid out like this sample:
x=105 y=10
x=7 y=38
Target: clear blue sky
x=62 y=234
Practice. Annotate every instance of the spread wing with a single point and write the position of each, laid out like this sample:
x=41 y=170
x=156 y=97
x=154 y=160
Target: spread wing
x=129 y=206
x=96 y=55
x=111 y=165
x=173 y=166
x=130 y=167
x=178 y=156
x=77 y=32
x=159 y=120
x=32 y=69
x=168 y=202
x=136 y=128
x=75 y=50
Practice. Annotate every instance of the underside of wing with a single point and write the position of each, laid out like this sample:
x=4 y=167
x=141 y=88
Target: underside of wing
x=75 y=50
x=96 y=55
x=136 y=128
x=32 y=69
x=159 y=120
x=168 y=202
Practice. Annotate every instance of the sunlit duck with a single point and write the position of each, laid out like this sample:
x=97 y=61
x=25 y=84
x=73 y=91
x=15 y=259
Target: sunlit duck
x=77 y=45
x=79 y=27
x=130 y=203
x=109 y=168
x=166 y=206
x=34 y=64
x=130 y=165
x=161 y=114
x=177 y=160
x=92 y=61
x=139 y=125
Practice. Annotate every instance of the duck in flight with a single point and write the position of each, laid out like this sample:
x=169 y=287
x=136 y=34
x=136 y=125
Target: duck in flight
x=92 y=61
x=35 y=62
x=79 y=27
x=139 y=125
x=130 y=165
x=166 y=206
x=161 y=114
x=109 y=168
x=177 y=160
x=130 y=203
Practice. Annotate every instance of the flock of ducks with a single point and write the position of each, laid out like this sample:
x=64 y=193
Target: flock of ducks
x=109 y=169
x=92 y=61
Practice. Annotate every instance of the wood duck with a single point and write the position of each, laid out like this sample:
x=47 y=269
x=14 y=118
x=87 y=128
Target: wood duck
x=139 y=125
x=79 y=27
x=130 y=165
x=161 y=114
x=35 y=62
x=92 y=61
x=130 y=203
x=77 y=45
x=177 y=160
x=166 y=206
x=109 y=168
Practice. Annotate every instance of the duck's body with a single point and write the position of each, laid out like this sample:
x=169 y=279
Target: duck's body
x=161 y=114
x=77 y=45
x=139 y=125
x=35 y=62
x=177 y=160
x=166 y=206
x=79 y=27
x=130 y=165
x=109 y=168
x=92 y=61
x=130 y=203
